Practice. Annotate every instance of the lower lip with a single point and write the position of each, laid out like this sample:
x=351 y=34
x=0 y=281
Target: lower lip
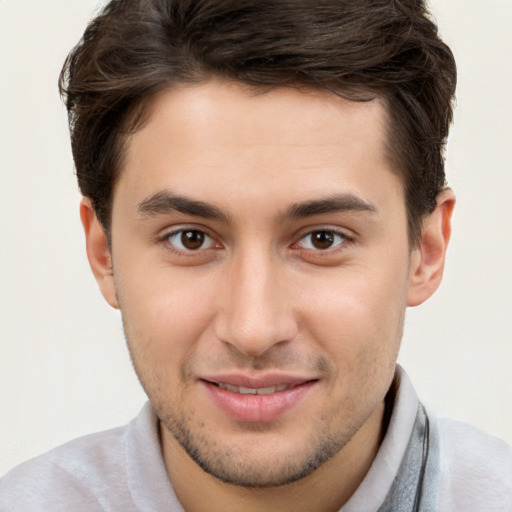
x=257 y=408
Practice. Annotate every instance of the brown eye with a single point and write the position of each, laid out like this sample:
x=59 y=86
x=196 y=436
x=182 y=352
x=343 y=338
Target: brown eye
x=322 y=240
x=190 y=240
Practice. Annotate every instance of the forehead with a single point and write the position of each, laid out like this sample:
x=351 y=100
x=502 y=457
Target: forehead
x=291 y=113
x=219 y=138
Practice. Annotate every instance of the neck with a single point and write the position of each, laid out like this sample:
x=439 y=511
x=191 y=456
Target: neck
x=327 y=489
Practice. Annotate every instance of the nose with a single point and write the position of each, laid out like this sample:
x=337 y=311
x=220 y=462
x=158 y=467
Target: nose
x=255 y=312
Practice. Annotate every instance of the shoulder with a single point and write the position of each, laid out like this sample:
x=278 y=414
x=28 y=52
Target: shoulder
x=73 y=476
x=475 y=469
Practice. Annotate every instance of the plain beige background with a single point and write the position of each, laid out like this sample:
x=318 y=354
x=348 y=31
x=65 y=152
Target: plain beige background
x=64 y=369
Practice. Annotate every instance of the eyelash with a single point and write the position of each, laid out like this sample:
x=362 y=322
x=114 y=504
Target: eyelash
x=167 y=239
x=343 y=240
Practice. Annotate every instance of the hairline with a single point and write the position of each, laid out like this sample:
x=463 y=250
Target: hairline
x=141 y=112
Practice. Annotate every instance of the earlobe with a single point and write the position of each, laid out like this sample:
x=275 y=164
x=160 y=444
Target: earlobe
x=428 y=259
x=98 y=252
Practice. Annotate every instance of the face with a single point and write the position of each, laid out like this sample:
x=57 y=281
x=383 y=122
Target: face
x=262 y=268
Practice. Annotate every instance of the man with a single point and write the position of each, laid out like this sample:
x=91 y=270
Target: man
x=264 y=195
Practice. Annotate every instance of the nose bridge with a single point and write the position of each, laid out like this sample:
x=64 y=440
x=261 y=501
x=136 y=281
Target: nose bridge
x=255 y=313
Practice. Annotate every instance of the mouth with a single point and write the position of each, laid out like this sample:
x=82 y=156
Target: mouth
x=257 y=400
x=253 y=391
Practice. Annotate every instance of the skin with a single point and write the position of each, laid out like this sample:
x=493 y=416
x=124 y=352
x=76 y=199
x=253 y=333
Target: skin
x=265 y=285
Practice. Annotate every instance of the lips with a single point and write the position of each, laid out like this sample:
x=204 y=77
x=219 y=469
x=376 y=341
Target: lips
x=256 y=400
x=253 y=391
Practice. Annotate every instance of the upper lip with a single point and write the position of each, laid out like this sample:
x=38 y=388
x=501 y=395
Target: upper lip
x=263 y=381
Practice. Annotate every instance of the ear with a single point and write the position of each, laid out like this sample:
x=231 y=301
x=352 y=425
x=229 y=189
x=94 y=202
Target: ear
x=98 y=252
x=427 y=260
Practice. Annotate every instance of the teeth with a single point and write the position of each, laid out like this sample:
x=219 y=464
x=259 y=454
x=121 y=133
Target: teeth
x=252 y=391
x=229 y=387
x=247 y=391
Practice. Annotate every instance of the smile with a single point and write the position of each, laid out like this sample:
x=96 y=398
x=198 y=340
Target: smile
x=253 y=391
x=256 y=402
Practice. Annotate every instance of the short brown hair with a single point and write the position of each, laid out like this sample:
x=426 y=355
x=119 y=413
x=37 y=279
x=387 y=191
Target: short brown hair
x=355 y=48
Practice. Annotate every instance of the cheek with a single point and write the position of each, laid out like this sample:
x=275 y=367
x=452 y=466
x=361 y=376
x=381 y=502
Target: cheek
x=358 y=318
x=361 y=334
x=164 y=312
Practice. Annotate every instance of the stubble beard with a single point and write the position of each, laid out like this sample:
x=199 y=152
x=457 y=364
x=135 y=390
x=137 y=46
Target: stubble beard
x=245 y=468
x=232 y=466
x=257 y=467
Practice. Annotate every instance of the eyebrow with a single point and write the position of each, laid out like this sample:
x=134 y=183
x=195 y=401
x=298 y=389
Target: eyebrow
x=165 y=202
x=334 y=204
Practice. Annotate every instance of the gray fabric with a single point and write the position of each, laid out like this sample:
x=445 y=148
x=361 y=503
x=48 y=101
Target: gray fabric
x=415 y=486
x=122 y=470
